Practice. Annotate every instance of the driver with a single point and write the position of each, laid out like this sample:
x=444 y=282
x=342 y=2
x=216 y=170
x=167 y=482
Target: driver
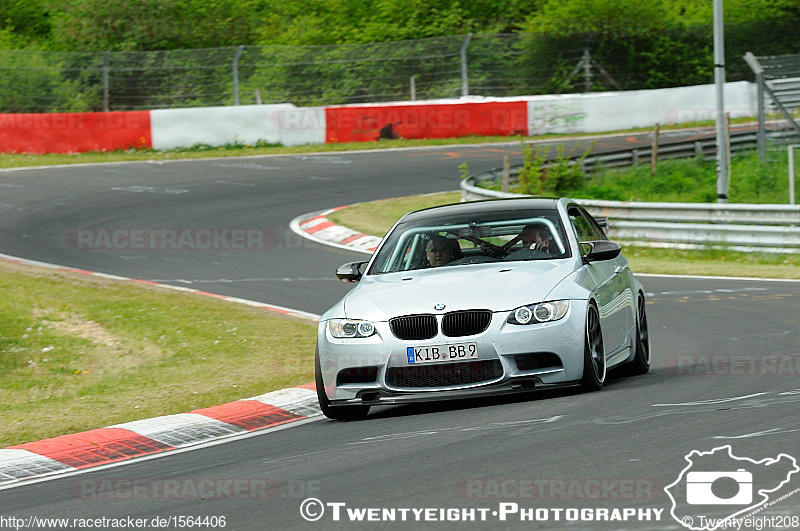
x=439 y=251
x=537 y=238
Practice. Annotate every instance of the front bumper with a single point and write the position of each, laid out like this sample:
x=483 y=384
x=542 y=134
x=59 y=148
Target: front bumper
x=561 y=341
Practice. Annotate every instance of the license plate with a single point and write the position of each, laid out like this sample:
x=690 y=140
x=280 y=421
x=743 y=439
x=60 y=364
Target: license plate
x=441 y=353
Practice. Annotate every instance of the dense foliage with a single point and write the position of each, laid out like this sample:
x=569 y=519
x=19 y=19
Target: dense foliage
x=86 y=25
x=319 y=51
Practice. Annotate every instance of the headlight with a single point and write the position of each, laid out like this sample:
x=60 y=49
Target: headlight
x=344 y=328
x=539 y=313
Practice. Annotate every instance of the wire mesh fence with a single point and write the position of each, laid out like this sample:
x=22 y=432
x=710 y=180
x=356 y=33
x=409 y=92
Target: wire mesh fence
x=438 y=67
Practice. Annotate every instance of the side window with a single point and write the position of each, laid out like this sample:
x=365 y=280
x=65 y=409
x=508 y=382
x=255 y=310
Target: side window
x=584 y=228
x=597 y=229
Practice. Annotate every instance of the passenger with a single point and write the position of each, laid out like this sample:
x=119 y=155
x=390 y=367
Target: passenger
x=439 y=251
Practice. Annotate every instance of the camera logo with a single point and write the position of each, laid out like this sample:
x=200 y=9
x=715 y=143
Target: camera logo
x=736 y=487
x=711 y=488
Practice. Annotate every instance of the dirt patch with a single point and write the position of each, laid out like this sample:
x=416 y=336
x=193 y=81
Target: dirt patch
x=76 y=325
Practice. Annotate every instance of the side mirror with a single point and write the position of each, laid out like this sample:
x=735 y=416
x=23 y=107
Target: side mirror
x=599 y=250
x=350 y=272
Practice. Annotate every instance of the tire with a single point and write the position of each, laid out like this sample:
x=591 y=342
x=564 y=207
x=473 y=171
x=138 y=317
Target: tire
x=336 y=412
x=641 y=358
x=594 y=361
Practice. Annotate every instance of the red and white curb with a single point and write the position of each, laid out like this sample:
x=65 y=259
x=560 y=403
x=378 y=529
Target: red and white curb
x=317 y=227
x=121 y=442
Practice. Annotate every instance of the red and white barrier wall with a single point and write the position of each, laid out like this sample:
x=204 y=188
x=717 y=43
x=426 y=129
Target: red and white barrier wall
x=291 y=126
x=74 y=132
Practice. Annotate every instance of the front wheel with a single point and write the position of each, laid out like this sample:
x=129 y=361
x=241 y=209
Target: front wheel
x=335 y=412
x=594 y=359
x=641 y=358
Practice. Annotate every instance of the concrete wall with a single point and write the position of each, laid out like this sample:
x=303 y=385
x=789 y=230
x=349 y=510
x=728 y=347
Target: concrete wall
x=609 y=111
x=291 y=126
x=245 y=124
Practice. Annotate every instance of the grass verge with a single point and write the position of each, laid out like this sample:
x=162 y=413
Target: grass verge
x=79 y=352
x=14 y=160
x=377 y=217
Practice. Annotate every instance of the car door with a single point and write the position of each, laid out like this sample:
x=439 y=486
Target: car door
x=609 y=287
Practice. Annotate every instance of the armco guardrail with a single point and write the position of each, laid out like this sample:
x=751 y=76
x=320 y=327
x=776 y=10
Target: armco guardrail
x=771 y=228
x=706 y=148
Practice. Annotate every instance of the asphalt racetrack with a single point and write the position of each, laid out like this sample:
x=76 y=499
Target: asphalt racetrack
x=725 y=371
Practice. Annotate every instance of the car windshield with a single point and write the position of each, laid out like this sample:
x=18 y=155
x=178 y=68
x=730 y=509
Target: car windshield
x=473 y=239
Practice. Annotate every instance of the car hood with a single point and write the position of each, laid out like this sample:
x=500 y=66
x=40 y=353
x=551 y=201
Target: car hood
x=497 y=287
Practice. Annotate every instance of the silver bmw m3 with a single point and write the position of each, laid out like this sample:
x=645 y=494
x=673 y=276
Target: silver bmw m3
x=489 y=297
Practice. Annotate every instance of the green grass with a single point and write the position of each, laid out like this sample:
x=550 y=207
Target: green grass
x=377 y=217
x=694 y=181
x=79 y=352
x=13 y=160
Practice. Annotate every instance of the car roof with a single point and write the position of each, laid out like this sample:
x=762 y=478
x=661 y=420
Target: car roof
x=489 y=205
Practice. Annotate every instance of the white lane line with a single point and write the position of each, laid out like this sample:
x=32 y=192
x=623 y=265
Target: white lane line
x=712 y=401
x=702 y=277
x=773 y=431
x=247 y=302
x=434 y=431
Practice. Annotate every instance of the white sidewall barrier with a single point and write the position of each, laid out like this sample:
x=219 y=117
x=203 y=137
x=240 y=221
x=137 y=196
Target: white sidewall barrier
x=608 y=111
x=301 y=125
x=245 y=124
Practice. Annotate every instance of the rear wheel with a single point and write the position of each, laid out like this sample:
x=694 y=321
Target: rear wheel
x=641 y=358
x=335 y=412
x=594 y=360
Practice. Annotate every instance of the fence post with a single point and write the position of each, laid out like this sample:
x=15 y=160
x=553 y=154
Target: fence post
x=464 y=84
x=413 y=88
x=791 y=172
x=587 y=70
x=758 y=70
x=236 y=74
x=728 y=151
x=506 y=174
x=654 y=150
x=105 y=82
